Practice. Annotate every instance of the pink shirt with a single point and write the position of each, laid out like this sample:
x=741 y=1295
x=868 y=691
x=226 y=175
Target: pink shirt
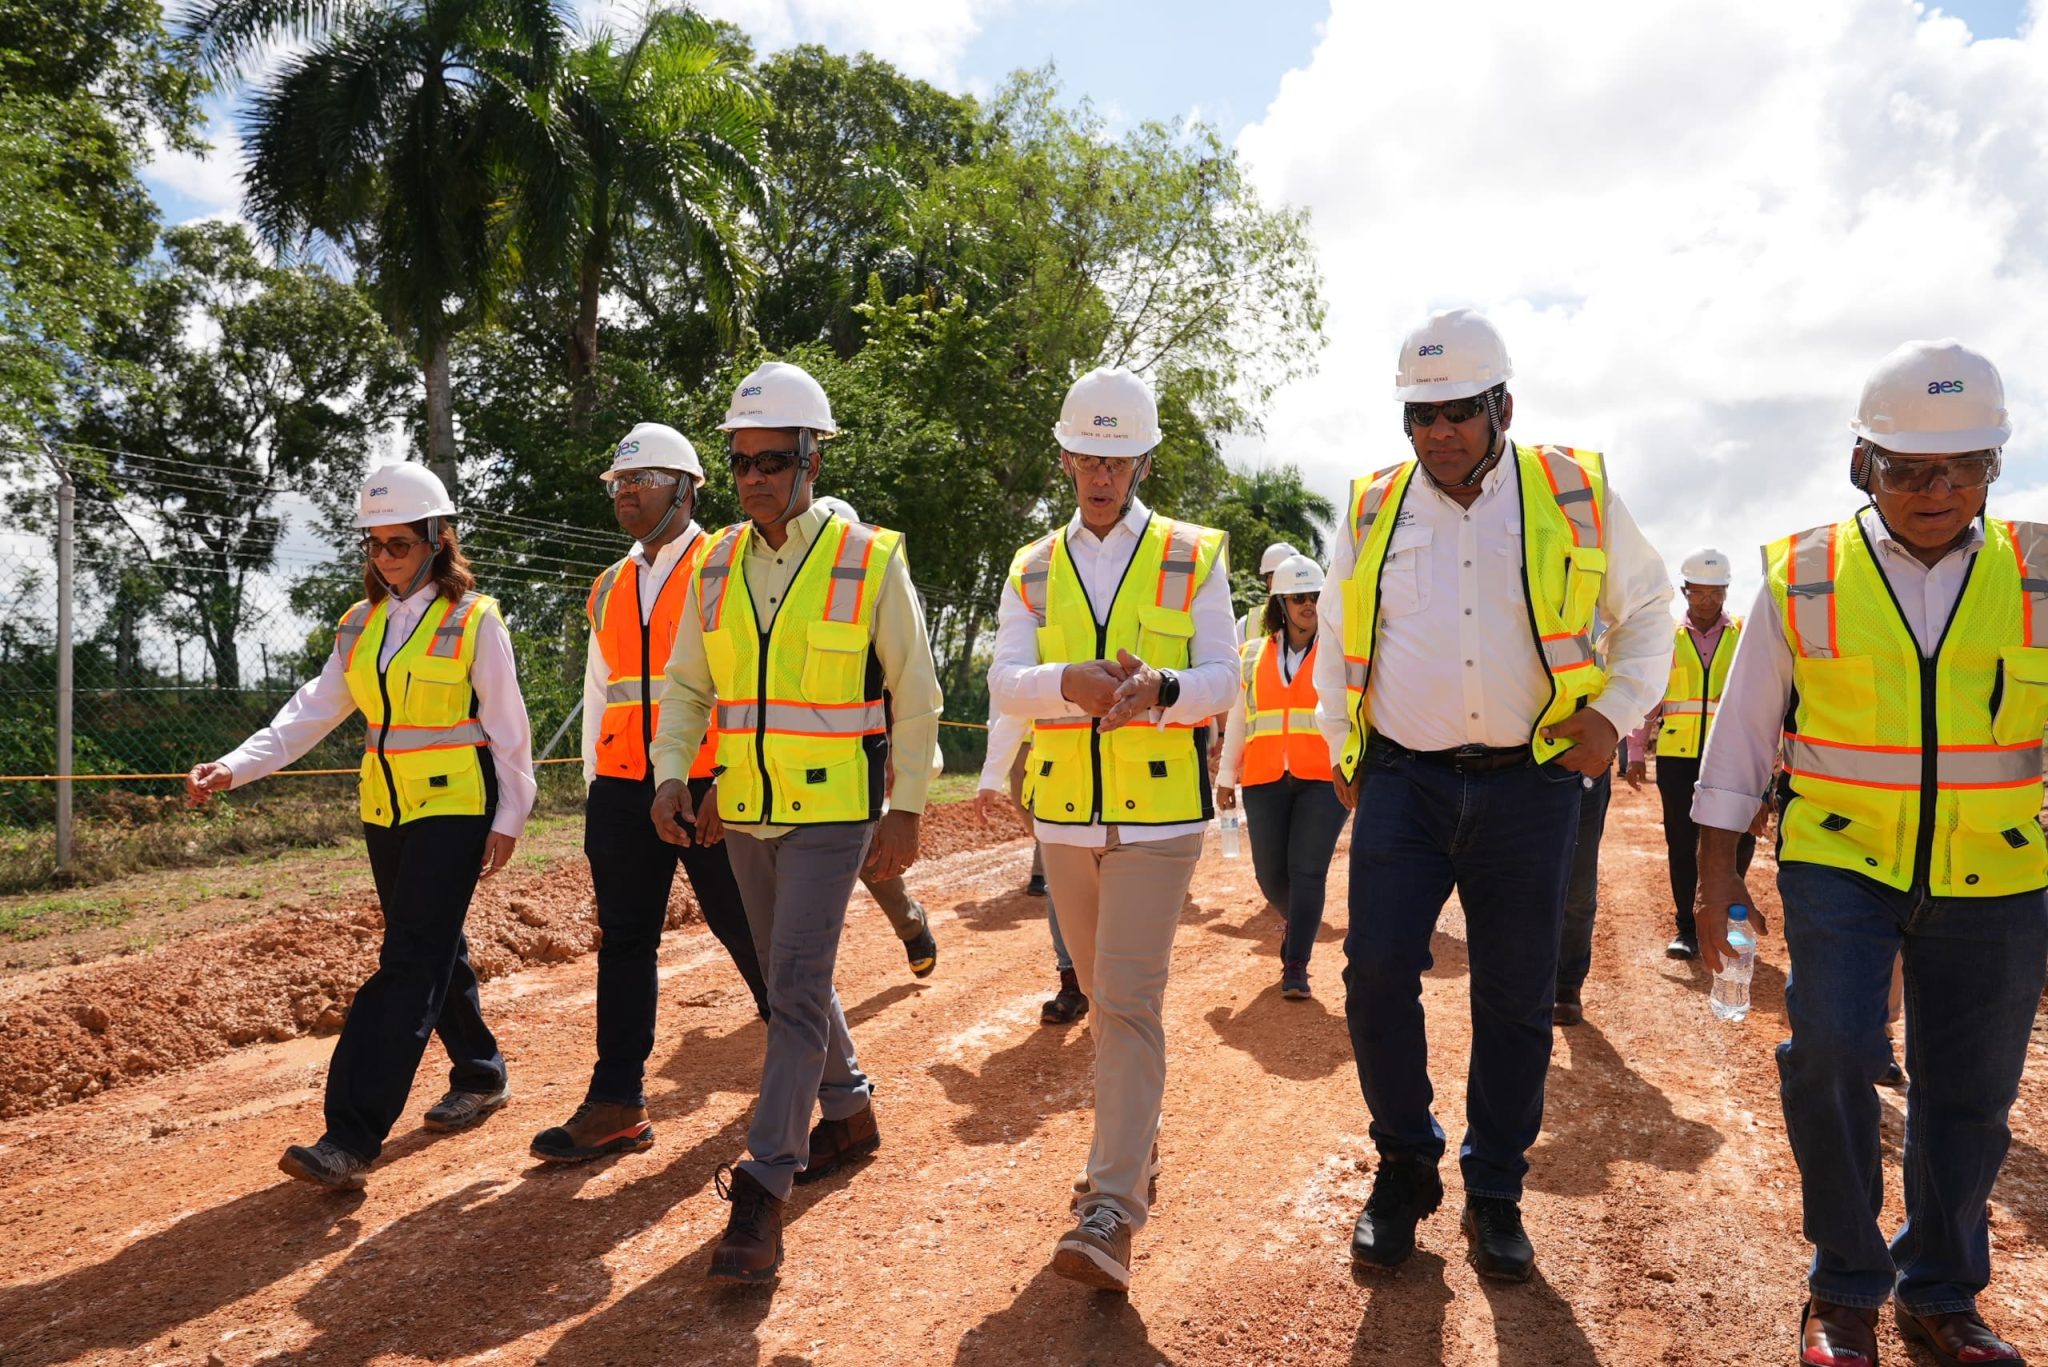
x=1706 y=643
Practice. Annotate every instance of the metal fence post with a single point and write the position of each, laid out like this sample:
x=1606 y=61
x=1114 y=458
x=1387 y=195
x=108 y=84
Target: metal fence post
x=67 y=497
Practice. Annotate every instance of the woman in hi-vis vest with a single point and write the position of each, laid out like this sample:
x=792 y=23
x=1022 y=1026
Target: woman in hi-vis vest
x=1272 y=747
x=446 y=784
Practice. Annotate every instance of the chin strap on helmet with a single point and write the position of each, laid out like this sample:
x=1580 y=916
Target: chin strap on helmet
x=685 y=488
x=420 y=575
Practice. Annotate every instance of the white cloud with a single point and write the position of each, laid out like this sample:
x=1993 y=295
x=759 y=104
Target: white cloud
x=1698 y=223
x=210 y=182
x=925 y=38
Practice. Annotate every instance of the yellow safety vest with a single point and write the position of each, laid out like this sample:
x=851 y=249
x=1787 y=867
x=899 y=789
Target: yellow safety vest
x=422 y=756
x=1914 y=771
x=1137 y=775
x=802 y=736
x=1564 y=561
x=1693 y=693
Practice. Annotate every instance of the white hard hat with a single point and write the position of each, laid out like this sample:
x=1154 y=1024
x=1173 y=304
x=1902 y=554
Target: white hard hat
x=1933 y=398
x=837 y=506
x=1296 y=574
x=1456 y=354
x=1707 y=566
x=1109 y=411
x=404 y=492
x=779 y=394
x=1275 y=553
x=655 y=446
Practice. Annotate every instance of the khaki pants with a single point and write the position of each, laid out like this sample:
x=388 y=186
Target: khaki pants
x=1119 y=908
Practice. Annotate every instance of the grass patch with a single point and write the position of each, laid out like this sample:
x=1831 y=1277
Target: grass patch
x=32 y=920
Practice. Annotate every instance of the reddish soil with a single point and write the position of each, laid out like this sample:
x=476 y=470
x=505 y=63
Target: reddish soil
x=147 y=1223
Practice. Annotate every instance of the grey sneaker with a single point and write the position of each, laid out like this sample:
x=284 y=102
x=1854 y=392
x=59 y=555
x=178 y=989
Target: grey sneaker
x=1084 y=1188
x=1096 y=1252
x=459 y=1110
x=325 y=1164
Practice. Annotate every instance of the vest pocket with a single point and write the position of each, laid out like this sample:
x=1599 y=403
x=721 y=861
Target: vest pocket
x=438 y=782
x=1837 y=698
x=835 y=662
x=1163 y=636
x=2023 y=702
x=436 y=692
x=816 y=782
x=1585 y=572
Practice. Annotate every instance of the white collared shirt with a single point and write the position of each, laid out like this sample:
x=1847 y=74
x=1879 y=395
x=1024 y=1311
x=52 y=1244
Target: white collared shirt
x=325 y=702
x=1020 y=686
x=653 y=575
x=1456 y=661
x=1735 y=771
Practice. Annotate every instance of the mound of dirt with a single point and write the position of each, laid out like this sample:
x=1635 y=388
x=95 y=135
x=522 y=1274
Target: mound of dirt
x=294 y=973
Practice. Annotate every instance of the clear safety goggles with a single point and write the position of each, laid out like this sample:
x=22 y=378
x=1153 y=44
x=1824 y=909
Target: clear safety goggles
x=1907 y=475
x=642 y=479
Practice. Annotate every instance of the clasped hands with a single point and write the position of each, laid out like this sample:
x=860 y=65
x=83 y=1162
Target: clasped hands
x=1115 y=691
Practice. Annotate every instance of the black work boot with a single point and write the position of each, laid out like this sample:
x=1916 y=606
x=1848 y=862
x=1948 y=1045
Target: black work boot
x=751 y=1250
x=1500 y=1246
x=1067 y=1005
x=1404 y=1191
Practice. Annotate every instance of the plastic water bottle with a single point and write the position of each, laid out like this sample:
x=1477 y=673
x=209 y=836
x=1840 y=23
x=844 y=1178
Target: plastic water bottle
x=1232 y=825
x=1731 y=984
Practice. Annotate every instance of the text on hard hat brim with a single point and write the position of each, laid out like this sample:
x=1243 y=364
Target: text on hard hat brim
x=739 y=424
x=1443 y=391
x=1128 y=448
x=1959 y=442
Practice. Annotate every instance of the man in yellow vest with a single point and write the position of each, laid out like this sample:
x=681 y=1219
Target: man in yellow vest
x=1702 y=652
x=795 y=625
x=1909 y=642
x=633 y=611
x=1463 y=705
x=1114 y=637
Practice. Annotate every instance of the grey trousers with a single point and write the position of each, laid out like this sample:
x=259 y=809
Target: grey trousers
x=906 y=914
x=1119 y=907
x=795 y=887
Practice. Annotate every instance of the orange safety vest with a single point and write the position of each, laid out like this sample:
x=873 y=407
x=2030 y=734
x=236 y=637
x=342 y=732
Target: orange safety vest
x=1280 y=735
x=635 y=654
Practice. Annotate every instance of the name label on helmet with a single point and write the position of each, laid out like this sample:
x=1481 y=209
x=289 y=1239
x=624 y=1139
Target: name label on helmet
x=1105 y=420
x=1945 y=387
x=380 y=491
x=749 y=391
x=1433 y=349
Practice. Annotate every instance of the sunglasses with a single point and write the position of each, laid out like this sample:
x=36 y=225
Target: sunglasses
x=1424 y=415
x=397 y=548
x=768 y=464
x=1298 y=599
x=1899 y=475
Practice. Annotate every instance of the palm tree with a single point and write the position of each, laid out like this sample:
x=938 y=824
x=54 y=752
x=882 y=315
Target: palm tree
x=670 y=132
x=1278 y=498
x=392 y=130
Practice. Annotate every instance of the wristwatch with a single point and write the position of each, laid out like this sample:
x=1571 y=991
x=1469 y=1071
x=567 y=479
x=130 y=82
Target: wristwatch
x=1169 y=688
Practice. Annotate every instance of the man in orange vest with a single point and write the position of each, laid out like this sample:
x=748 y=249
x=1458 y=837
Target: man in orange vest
x=634 y=606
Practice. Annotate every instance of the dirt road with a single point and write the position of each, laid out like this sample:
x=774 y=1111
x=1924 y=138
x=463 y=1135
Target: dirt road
x=147 y=1224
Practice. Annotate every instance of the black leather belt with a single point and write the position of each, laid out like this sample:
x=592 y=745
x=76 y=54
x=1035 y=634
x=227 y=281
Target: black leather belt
x=1467 y=759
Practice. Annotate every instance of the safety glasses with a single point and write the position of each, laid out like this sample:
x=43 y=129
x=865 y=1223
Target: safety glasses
x=1421 y=415
x=768 y=464
x=642 y=479
x=1902 y=475
x=1091 y=467
x=397 y=548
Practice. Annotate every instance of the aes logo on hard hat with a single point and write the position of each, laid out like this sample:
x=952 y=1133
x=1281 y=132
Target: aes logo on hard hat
x=749 y=391
x=1945 y=387
x=1105 y=420
x=380 y=491
x=627 y=448
x=1433 y=349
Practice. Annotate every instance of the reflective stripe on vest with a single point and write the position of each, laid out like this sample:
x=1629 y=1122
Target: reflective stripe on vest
x=1280 y=717
x=421 y=758
x=1564 y=560
x=801 y=731
x=635 y=655
x=1909 y=770
x=1139 y=774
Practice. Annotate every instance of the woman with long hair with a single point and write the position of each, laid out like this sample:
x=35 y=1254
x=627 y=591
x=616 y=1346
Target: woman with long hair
x=1271 y=746
x=445 y=788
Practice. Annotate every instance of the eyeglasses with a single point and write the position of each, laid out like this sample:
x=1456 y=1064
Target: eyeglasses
x=1424 y=415
x=1298 y=599
x=397 y=548
x=768 y=464
x=1901 y=475
x=642 y=479
x=1089 y=467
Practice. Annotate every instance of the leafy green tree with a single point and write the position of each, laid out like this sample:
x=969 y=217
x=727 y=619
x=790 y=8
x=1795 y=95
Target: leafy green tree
x=84 y=89
x=242 y=380
x=1268 y=505
x=419 y=138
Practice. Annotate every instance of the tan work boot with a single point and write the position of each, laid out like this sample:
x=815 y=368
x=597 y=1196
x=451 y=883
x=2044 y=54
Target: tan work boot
x=598 y=1128
x=840 y=1141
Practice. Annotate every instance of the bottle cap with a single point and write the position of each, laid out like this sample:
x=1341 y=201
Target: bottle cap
x=1738 y=912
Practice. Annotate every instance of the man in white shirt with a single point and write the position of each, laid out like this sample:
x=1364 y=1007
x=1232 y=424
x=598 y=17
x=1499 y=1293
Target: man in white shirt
x=1463 y=711
x=1114 y=637
x=1899 y=661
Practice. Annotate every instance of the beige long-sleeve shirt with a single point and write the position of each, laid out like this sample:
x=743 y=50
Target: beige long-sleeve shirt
x=901 y=645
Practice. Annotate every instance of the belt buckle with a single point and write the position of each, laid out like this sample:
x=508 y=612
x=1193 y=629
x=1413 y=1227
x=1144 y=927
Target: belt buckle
x=1465 y=754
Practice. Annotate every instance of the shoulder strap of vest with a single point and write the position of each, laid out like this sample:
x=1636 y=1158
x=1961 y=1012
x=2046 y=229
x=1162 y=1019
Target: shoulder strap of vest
x=1571 y=475
x=350 y=630
x=1810 y=562
x=1248 y=656
x=447 y=642
x=1030 y=571
x=600 y=593
x=1365 y=507
x=2030 y=548
x=1179 y=559
x=714 y=576
x=846 y=596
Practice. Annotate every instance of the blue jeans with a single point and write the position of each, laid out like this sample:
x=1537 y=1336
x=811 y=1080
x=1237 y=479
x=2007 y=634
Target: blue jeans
x=1582 y=893
x=1974 y=973
x=1294 y=824
x=1504 y=841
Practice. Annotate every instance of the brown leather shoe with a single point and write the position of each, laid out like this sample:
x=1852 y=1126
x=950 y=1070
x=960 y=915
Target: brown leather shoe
x=1833 y=1335
x=841 y=1141
x=751 y=1250
x=597 y=1129
x=1567 y=1010
x=1955 y=1339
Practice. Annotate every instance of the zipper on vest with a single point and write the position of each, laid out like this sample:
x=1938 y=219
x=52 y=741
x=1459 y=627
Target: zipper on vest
x=384 y=694
x=1101 y=652
x=646 y=702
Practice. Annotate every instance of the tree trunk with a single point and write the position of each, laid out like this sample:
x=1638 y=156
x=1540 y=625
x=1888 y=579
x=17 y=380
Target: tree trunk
x=583 y=340
x=440 y=414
